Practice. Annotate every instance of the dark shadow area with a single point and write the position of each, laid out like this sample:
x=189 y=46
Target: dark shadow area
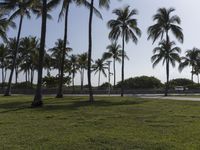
x=100 y=103
x=59 y=104
x=14 y=106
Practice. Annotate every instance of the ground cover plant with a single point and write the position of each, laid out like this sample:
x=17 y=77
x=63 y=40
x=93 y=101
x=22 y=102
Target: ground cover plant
x=108 y=123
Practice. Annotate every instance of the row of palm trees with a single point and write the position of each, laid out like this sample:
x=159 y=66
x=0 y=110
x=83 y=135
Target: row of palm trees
x=124 y=26
x=27 y=59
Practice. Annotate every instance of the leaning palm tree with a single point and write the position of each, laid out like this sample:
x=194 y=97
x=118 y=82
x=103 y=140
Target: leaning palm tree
x=99 y=67
x=114 y=52
x=168 y=54
x=19 y=8
x=165 y=23
x=191 y=59
x=126 y=27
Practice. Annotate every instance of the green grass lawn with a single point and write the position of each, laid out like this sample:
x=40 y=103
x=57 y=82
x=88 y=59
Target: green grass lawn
x=110 y=123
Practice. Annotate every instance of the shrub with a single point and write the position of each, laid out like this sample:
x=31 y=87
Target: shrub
x=142 y=82
x=181 y=82
x=105 y=85
x=51 y=82
x=23 y=85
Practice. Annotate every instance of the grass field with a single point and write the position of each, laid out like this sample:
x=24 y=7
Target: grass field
x=110 y=123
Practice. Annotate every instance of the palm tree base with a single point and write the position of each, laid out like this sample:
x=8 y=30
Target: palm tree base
x=59 y=96
x=36 y=104
x=91 y=99
x=7 y=93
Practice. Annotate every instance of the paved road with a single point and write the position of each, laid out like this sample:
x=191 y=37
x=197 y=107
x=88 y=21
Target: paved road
x=170 y=97
x=152 y=96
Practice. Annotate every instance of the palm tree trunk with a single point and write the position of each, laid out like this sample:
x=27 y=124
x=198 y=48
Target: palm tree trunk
x=2 y=85
x=192 y=74
x=26 y=76
x=122 y=84
x=82 y=76
x=8 y=90
x=37 y=102
x=16 y=74
x=32 y=76
x=99 y=79
x=114 y=71
x=167 y=67
x=167 y=74
x=5 y=76
x=73 y=76
x=60 y=86
x=91 y=98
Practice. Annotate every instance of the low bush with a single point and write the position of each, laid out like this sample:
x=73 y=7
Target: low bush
x=142 y=82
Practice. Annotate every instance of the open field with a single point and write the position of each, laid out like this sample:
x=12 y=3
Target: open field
x=109 y=123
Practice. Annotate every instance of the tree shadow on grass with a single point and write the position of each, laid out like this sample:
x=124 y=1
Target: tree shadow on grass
x=64 y=105
x=14 y=106
x=100 y=103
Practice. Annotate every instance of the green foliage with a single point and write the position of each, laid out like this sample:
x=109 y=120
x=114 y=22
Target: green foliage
x=143 y=82
x=105 y=85
x=22 y=85
x=180 y=82
x=52 y=82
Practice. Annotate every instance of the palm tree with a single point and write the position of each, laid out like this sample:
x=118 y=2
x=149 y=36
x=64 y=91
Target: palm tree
x=100 y=66
x=5 y=24
x=74 y=67
x=165 y=23
x=21 y=8
x=168 y=54
x=82 y=62
x=126 y=27
x=37 y=101
x=114 y=52
x=29 y=56
x=3 y=55
x=191 y=59
x=102 y=3
x=56 y=54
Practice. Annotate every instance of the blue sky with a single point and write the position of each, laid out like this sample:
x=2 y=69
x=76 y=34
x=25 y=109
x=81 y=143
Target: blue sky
x=140 y=54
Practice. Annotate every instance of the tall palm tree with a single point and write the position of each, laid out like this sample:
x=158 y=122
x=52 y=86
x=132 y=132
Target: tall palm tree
x=19 y=8
x=99 y=67
x=82 y=62
x=191 y=59
x=168 y=54
x=114 y=52
x=126 y=27
x=102 y=3
x=37 y=101
x=165 y=23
